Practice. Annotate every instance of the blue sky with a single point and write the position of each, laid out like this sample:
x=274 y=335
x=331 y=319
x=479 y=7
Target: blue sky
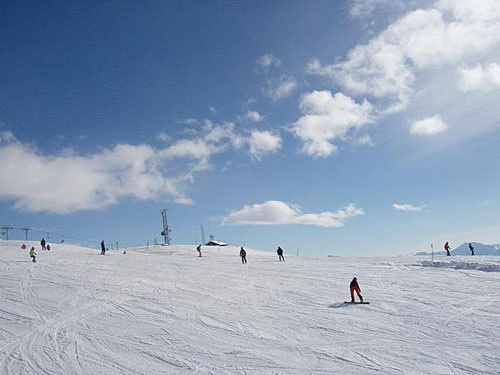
x=365 y=127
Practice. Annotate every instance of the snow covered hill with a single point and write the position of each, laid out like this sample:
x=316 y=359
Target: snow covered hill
x=166 y=311
x=479 y=249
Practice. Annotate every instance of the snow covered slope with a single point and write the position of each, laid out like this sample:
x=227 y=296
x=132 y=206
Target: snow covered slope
x=167 y=311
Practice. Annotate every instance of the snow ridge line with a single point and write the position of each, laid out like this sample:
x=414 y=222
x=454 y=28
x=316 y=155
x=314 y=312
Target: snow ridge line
x=461 y=265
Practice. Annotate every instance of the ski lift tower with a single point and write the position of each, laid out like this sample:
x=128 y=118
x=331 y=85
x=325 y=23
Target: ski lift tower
x=166 y=231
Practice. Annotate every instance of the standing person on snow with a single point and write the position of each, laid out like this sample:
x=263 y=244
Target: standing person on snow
x=199 y=250
x=355 y=288
x=33 y=254
x=471 y=248
x=103 y=248
x=447 y=248
x=243 y=255
x=42 y=242
x=280 y=254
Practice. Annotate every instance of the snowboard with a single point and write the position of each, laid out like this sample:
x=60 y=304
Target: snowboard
x=357 y=303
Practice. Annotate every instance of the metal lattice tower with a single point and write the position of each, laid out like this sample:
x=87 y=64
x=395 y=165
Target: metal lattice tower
x=166 y=230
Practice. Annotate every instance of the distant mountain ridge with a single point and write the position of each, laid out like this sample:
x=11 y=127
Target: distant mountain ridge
x=463 y=249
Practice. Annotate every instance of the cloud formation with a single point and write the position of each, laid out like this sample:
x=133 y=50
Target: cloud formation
x=277 y=90
x=407 y=207
x=263 y=143
x=254 y=116
x=385 y=68
x=479 y=78
x=326 y=117
x=268 y=60
x=281 y=213
x=428 y=126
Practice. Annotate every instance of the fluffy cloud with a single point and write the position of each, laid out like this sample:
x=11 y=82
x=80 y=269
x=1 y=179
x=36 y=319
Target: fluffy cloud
x=281 y=213
x=407 y=207
x=479 y=78
x=428 y=126
x=268 y=60
x=386 y=66
x=254 y=116
x=326 y=117
x=263 y=143
x=281 y=89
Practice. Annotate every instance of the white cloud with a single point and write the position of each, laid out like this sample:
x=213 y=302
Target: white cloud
x=282 y=89
x=268 y=60
x=212 y=109
x=254 y=116
x=428 y=126
x=164 y=137
x=386 y=66
x=188 y=121
x=407 y=207
x=326 y=118
x=263 y=143
x=479 y=78
x=366 y=140
x=281 y=213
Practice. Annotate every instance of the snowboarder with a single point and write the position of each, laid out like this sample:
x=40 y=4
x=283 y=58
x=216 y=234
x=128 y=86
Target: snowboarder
x=33 y=254
x=198 y=249
x=47 y=247
x=243 y=255
x=103 y=248
x=42 y=242
x=471 y=248
x=23 y=246
x=447 y=248
x=280 y=254
x=355 y=288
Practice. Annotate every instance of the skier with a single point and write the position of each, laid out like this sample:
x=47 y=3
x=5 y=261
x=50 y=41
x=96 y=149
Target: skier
x=243 y=255
x=103 y=248
x=471 y=248
x=33 y=254
x=355 y=287
x=47 y=247
x=199 y=250
x=23 y=246
x=280 y=254
x=42 y=242
x=447 y=248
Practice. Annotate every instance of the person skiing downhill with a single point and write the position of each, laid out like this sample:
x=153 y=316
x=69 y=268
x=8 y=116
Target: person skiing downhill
x=447 y=248
x=355 y=288
x=199 y=250
x=103 y=248
x=243 y=255
x=280 y=254
x=33 y=254
x=23 y=246
x=42 y=243
x=471 y=248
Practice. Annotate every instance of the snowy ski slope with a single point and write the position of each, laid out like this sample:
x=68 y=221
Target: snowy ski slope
x=167 y=311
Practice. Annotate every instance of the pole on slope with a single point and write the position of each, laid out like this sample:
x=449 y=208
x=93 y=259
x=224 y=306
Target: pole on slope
x=432 y=252
x=297 y=252
x=6 y=229
x=26 y=229
x=116 y=245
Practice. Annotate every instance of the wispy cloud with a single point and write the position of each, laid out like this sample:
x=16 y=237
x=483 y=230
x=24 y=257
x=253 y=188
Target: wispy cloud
x=407 y=207
x=479 y=78
x=284 y=87
x=267 y=61
x=162 y=136
x=281 y=213
x=428 y=126
x=254 y=116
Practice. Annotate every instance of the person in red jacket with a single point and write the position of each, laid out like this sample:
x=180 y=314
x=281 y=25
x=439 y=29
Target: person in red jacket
x=355 y=288
x=447 y=248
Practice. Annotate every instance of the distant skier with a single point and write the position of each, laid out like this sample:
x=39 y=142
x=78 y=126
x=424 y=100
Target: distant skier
x=103 y=248
x=280 y=254
x=23 y=246
x=447 y=248
x=47 y=247
x=198 y=249
x=471 y=248
x=42 y=242
x=243 y=255
x=355 y=288
x=33 y=254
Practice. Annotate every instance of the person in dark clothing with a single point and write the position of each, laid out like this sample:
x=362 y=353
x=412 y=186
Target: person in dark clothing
x=243 y=255
x=198 y=249
x=280 y=254
x=447 y=248
x=471 y=248
x=42 y=242
x=355 y=288
x=103 y=248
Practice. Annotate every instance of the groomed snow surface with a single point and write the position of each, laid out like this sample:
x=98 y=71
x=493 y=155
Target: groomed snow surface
x=166 y=311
